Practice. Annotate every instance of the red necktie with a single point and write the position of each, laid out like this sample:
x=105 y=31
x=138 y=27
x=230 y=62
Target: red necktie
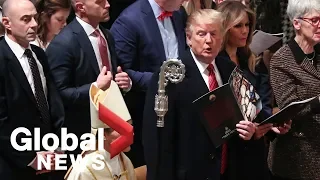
x=213 y=84
x=103 y=49
x=164 y=15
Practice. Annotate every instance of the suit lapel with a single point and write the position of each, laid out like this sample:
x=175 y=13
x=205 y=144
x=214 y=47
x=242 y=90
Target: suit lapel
x=225 y=67
x=179 y=31
x=17 y=71
x=194 y=77
x=85 y=44
x=299 y=56
x=152 y=24
x=310 y=68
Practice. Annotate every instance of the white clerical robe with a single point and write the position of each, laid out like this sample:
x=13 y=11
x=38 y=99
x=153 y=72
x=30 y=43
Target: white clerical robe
x=117 y=168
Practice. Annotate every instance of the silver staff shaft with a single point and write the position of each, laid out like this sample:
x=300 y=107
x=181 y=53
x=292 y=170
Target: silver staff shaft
x=172 y=70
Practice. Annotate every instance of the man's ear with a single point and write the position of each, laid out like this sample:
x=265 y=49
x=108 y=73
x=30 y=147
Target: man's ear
x=297 y=24
x=79 y=7
x=6 y=23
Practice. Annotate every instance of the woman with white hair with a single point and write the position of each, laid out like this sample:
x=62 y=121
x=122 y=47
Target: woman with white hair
x=295 y=76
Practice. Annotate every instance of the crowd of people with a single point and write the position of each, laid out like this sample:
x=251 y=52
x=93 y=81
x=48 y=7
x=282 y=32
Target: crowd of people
x=55 y=53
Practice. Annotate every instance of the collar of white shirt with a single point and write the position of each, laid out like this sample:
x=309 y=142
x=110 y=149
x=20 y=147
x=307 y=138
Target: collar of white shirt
x=15 y=47
x=204 y=72
x=87 y=27
x=202 y=66
x=155 y=8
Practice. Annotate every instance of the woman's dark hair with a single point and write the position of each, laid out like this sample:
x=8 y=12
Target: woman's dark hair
x=45 y=9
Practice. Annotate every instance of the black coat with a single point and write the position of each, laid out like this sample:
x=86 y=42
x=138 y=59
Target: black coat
x=182 y=150
x=74 y=67
x=18 y=108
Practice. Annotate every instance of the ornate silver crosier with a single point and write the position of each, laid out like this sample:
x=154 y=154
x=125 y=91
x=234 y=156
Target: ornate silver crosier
x=172 y=70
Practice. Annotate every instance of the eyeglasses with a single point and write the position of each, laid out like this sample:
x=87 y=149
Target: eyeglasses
x=313 y=21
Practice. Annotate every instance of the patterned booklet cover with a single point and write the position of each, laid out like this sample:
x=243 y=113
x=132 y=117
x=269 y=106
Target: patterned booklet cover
x=247 y=98
x=225 y=106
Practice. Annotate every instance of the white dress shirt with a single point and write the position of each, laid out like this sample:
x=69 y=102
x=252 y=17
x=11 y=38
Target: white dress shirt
x=204 y=71
x=168 y=35
x=95 y=41
x=95 y=44
x=22 y=58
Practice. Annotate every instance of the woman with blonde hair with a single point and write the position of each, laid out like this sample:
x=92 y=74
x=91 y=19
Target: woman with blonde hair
x=193 y=5
x=239 y=24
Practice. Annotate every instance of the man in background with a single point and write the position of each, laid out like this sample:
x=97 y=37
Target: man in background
x=81 y=54
x=28 y=96
x=146 y=34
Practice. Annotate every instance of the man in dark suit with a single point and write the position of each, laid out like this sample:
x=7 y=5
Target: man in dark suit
x=146 y=33
x=182 y=149
x=81 y=54
x=28 y=96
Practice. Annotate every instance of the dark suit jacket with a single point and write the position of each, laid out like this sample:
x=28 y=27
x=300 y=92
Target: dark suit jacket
x=140 y=51
x=296 y=155
x=74 y=67
x=139 y=44
x=244 y=155
x=18 y=108
x=182 y=149
x=116 y=8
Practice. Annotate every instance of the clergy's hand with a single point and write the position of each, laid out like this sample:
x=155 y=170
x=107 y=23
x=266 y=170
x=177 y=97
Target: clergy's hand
x=246 y=129
x=261 y=130
x=122 y=79
x=283 y=129
x=104 y=79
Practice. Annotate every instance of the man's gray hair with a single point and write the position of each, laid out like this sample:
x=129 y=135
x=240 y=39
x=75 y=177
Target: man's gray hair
x=299 y=8
x=207 y=16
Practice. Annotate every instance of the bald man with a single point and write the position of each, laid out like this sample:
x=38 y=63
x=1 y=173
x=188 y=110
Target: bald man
x=28 y=98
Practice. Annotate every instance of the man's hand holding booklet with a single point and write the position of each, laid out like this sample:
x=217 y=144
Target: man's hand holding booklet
x=224 y=107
